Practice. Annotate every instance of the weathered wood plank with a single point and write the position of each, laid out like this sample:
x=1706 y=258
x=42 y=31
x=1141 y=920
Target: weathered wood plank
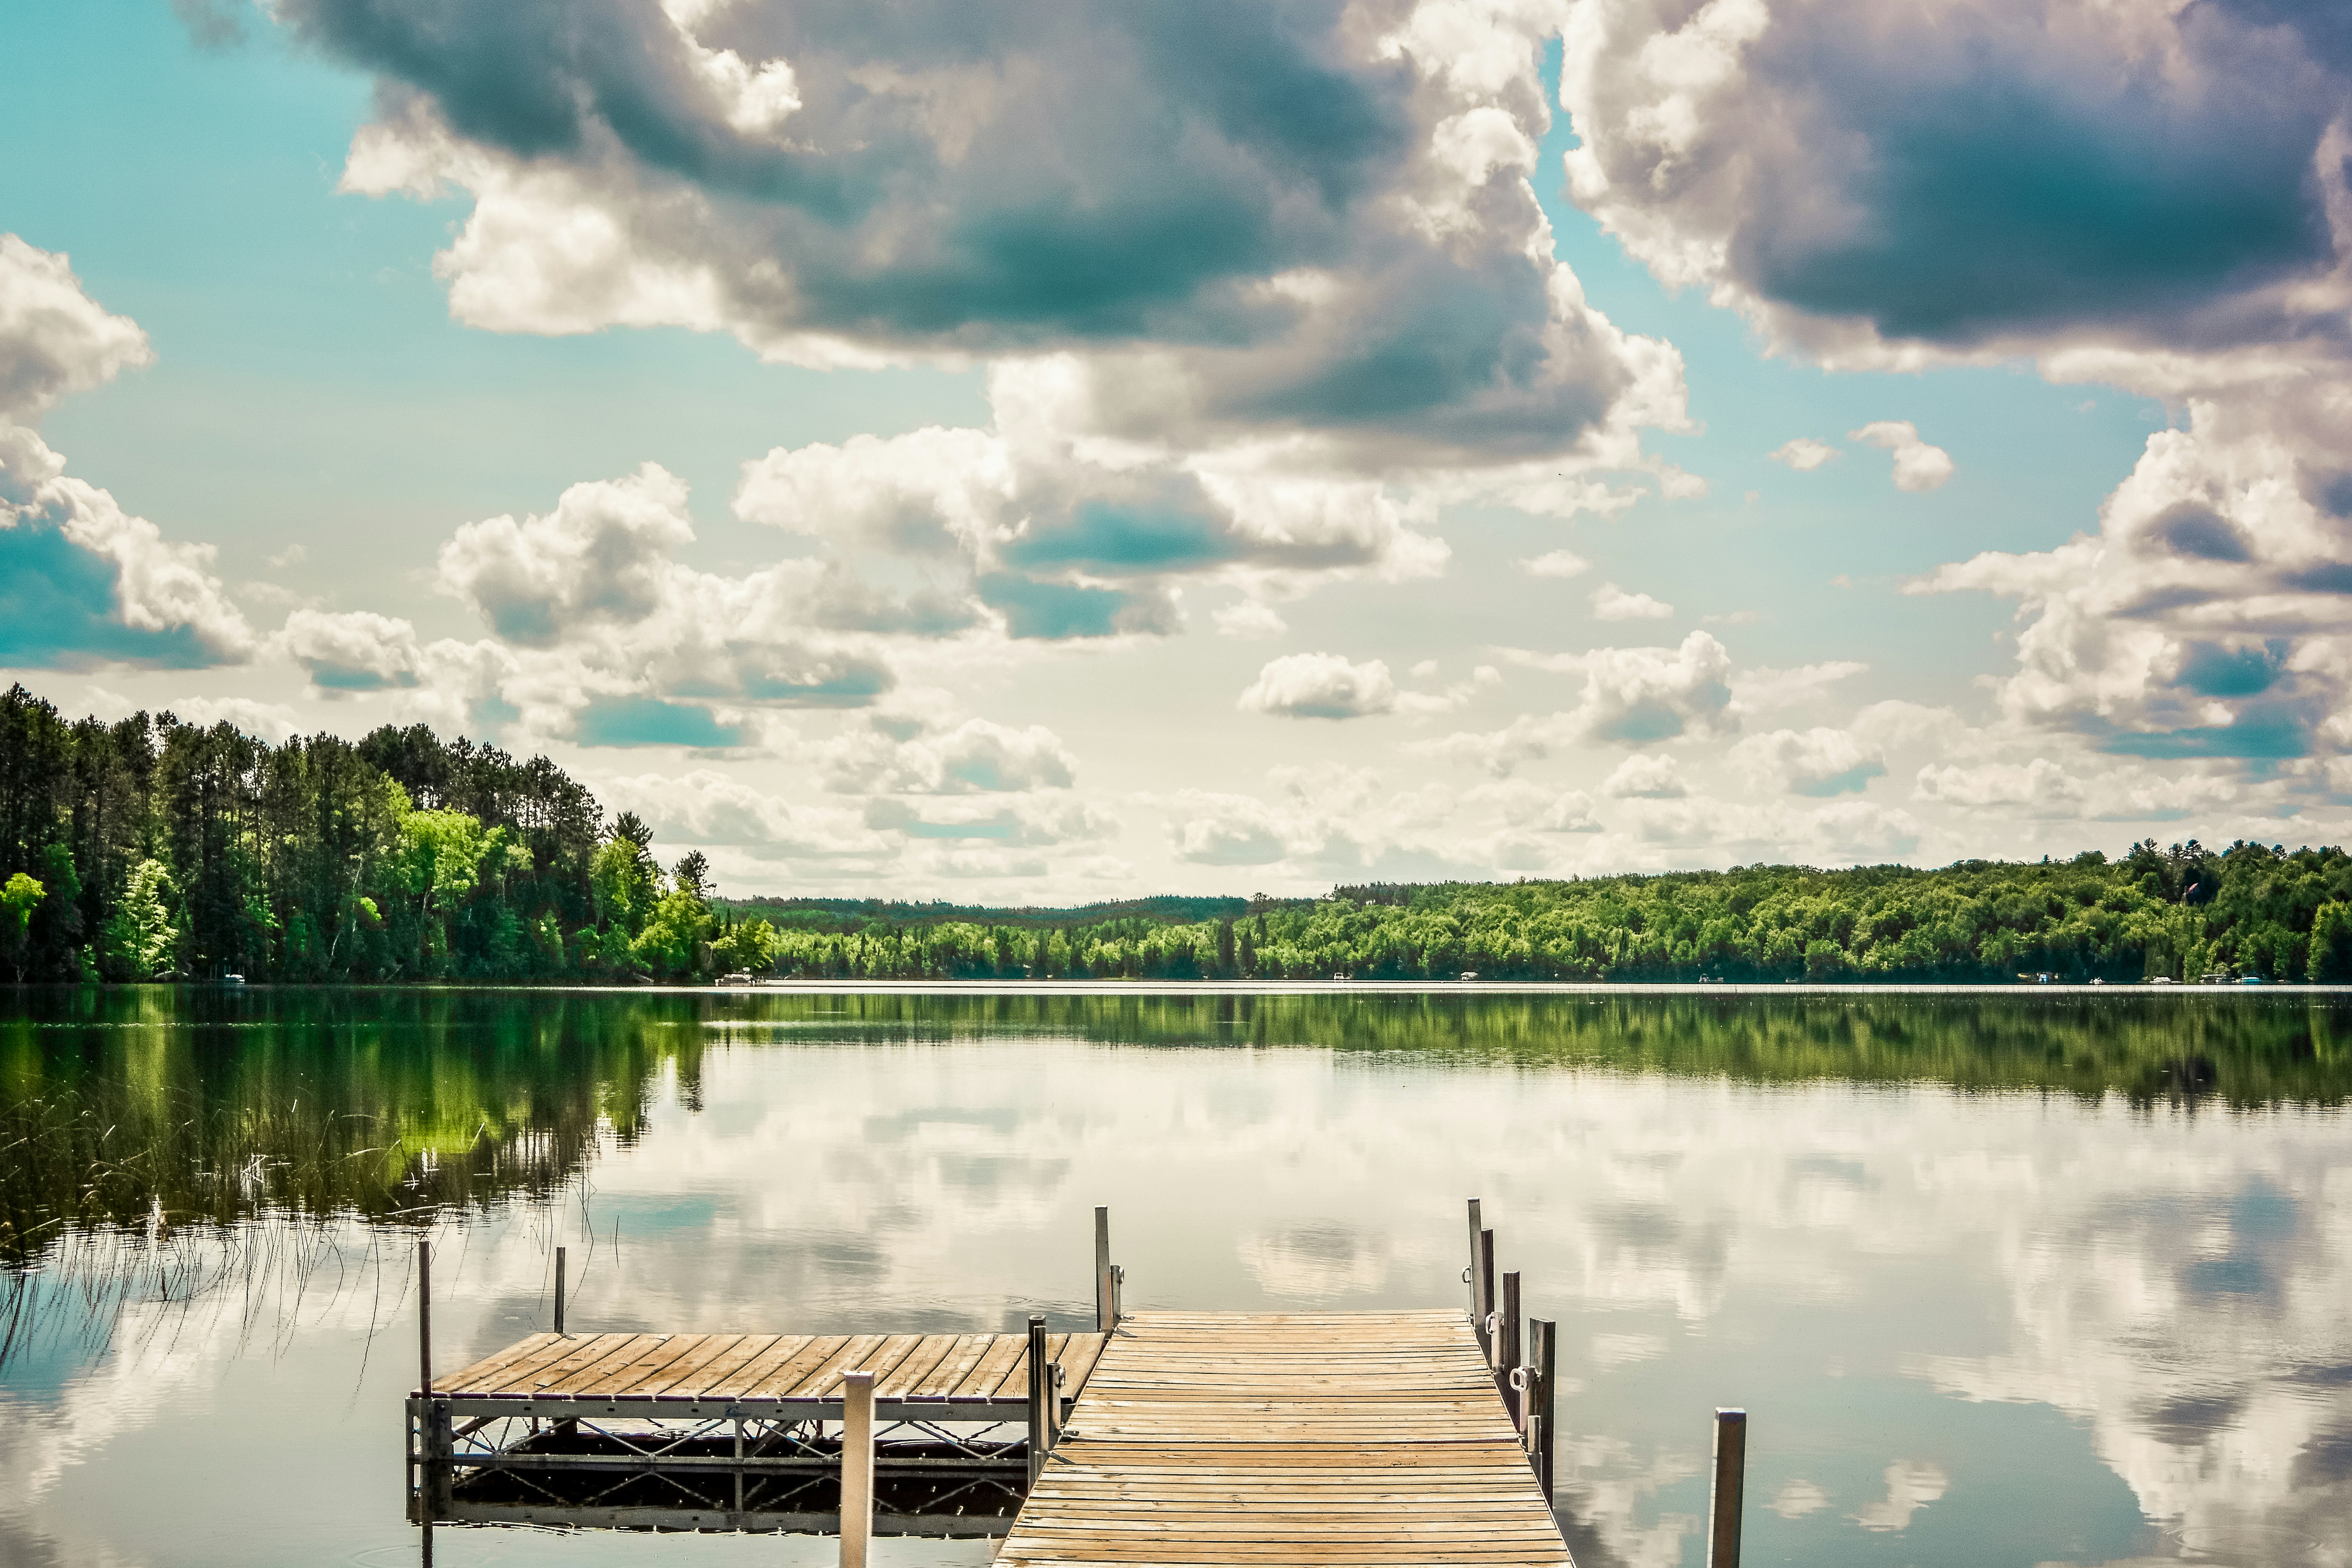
x=1326 y=1440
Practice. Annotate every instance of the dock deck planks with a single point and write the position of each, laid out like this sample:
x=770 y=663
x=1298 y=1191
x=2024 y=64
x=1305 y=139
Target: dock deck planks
x=1330 y=1439
x=759 y=1370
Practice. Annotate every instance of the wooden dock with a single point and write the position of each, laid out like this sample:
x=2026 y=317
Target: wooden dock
x=1163 y=1440
x=1331 y=1439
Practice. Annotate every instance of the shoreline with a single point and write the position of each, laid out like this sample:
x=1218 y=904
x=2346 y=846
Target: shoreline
x=1243 y=988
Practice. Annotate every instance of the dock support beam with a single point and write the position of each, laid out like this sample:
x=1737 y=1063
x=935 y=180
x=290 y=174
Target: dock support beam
x=1722 y=1511
x=1478 y=1304
x=856 y=1468
x=559 y=1290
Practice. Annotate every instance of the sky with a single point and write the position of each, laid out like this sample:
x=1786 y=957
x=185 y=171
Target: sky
x=981 y=452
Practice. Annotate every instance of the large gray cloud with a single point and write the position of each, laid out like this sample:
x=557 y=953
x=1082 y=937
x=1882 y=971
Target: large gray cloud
x=1303 y=216
x=1968 y=175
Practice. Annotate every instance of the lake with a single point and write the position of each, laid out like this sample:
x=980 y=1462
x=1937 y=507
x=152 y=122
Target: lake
x=1999 y=1279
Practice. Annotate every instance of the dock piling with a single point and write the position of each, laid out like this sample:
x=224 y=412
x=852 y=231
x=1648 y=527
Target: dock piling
x=425 y=1320
x=856 y=1468
x=1041 y=1411
x=1542 y=1335
x=558 y=1289
x=1488 y=1326
x=1478 y=1304
x=1106 y=1308
x=1506 y=1351
x=435 y=1445
x=1723 y=1510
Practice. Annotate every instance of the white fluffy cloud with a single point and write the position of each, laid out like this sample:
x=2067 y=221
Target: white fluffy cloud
x=1650 y=777
x=84 y=581
x=894 y=754
x=1816 y=761
x=1321 y=686
x=2208 y=616
x=1632 y=696
x=1917 y=465
x=1804 y=453
x=1610 y=603
x=1557 y=563
x=55 y=339
x=353 y=650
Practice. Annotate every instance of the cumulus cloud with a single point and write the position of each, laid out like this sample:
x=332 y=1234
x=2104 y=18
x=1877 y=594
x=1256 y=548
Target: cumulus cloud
x=1610 y=603
x=1824 y=167
x=1250 y=618
x=1804 y=453
x=55 y=339
x=1632 y=696
x=2042 y=786
x=894 y=754
x=1557 y=563
x=354 y=651
x=1646 y=778
x=1917 y=465
x=1323 y=820
x=1827 y=167
x=1351 y=250
x=711 y=808
x=1843 y=833
x=81 y=580
x=1320 y=685
x=1066 y=534
x=606 y=638
x=2208 y=615
x=1816 y=761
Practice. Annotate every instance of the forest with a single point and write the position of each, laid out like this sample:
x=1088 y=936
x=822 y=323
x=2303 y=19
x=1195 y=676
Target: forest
x=147 y=848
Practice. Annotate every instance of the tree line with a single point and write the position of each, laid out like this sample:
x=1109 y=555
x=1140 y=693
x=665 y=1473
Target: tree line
x=2183 y=913
x=149 y=848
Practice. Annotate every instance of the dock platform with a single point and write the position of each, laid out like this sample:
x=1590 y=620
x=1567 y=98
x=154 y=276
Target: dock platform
x=1165 y=1439
x=1334 y=1440
x=735 y=1432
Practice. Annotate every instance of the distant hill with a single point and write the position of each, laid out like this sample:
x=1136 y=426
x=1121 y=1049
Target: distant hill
x=857 y=914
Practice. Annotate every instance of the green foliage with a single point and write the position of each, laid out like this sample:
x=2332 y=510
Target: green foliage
x=18 y=897
x=749 y=946
x=2180 y=913
x=159 y=847
x=138 y=937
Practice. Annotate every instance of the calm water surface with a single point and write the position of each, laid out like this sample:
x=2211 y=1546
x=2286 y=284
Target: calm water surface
x=2002 y=1281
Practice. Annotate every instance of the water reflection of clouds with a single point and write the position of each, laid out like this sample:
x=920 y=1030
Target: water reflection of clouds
x=1708 y=1236
x=1932 y=1302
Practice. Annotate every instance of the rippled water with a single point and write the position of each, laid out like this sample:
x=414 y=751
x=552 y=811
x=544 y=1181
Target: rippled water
x=2000 y=1280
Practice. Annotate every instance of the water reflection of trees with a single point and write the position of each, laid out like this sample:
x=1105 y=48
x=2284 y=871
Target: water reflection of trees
x=157 y=1110
x=2235 y=1049
x=151 y=1110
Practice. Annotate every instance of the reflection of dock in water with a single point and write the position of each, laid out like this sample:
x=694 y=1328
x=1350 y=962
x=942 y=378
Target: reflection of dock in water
x=1331 y=1439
